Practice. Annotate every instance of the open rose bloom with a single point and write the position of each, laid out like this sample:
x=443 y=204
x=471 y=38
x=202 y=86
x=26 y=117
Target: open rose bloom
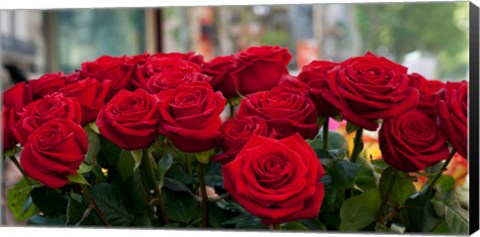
x=237 y=142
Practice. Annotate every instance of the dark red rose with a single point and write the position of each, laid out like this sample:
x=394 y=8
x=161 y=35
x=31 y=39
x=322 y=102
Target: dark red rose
x=190 y=116
x=17 y=97
x=72 y=78
x=91 y=94
x=452 y=114
x=8 y=122
x=54 y=151
x=219 y=68
x=46 y=84
x=171 y=79
x=287 y=110
x=368 y=88
x=190 y=56
x=315 y=76
x=236 y=132
x=119 y=70
x=41 y=111
x=276 y=180
x=130 y=119
x=155 y=65
x=412 y=141
x=259 y=68
x=430 y=91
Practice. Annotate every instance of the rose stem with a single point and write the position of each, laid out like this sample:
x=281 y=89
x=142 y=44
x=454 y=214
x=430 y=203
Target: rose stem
x=19 y=167
x=325 y=134
x=358 y=145
x=147 y=168
x=385 y=197
x=203 y=190
x=444 y=167
x=93 y=205
x=232 y=109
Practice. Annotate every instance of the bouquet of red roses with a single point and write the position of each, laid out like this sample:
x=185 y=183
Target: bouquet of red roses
x=169 y=140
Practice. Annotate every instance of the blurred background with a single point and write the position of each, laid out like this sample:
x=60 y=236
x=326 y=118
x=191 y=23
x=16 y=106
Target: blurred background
x=429 y=38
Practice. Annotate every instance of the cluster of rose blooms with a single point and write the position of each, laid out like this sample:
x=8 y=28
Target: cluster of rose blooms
x=267 y=165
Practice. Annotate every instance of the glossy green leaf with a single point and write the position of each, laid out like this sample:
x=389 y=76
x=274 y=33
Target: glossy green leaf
x=93 y=145
x=344 y=173
x=175 y=185
x=295 y=225
x=351 y=127
x=78 y=178
x=17 y=197
x=456 y=219
x=217 y=215
x=418 y=213
x=359 y=211
x=445 y=182
x=180 y=207
x=84 y=168
x=313 y=224
x=164 y=164
x=125 y=165
x=112 y=203
x=400 y=183
x=43 y=197
x=37 y=220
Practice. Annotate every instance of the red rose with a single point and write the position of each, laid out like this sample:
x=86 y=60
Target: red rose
x=315 y=76
x=190 y=116
x=46 y=84
x=171 y=79
x=412 y=141
x=259 y=68
x=368 y=88
x=41 y=111
x=276 y=180
x=91 y=94
x=130 y=119
x=158 y=64
x=429 y=92
x=8 y=122
x=54 y=151
x=117 y=69
x=452 y=111
x=235 y=133
x=287 y=110
x=219 y=68
x=190 y=56
x=17 y=97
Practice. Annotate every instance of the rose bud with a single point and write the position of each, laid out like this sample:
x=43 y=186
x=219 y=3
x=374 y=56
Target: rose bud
x=276 y=180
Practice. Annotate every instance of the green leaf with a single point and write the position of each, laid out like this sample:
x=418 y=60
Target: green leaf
x=441 y=228
x=84 y=168
x=142 y=221
x=93 y=126
x=365 y=179
x=213 y=174
x=175 y=185
x=313 y=224
x=351 y=128
x=136 y=195
x=109 y=153
x=401 y=188
x=112 y=203
x=164 y=164
x=180 y=207
x=359 y=211
x=343 y=173
x=74 y=209
x=217 y=215
x=78 y=178
x=295 y=225
x=18 y=199
x=245 y=221
x=336 y=141
x=457 y=220
x=137 y=158
x=125 y=165
x=445 y=182
x=38 y=220
x=418 y=213
x=93 y=145
x=177 y=172
x=44 y=198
